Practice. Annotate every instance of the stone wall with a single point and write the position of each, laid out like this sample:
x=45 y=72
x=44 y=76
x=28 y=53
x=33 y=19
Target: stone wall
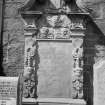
x=94 y=52
x=13 y=42
x=13 y=38
x=97 y=12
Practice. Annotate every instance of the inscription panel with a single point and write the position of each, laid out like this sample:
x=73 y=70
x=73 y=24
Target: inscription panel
x=8 y=91
x=55 y=67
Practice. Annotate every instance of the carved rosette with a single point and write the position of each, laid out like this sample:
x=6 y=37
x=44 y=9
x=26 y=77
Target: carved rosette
x=77 y=68
x=29 y=62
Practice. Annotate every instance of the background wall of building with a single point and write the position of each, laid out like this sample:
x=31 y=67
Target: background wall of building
x=13 y=41
x=13 y=38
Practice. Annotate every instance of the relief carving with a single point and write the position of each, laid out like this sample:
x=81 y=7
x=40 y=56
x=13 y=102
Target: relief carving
x=54 y=33
x=78 y=70
x=58 y=21
x=77 y=25
x=62 y=33
x=46 y=33
x=29 y=67
x=60 y=28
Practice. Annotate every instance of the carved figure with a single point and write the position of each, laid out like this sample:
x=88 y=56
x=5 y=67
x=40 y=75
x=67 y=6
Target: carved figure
x=78 y=70
x=77 y=52
x=29 y=88
x=27 y=73
x=29 y=68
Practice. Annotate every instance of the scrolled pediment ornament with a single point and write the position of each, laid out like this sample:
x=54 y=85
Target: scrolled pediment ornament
x=29 y=68
x=27 y=5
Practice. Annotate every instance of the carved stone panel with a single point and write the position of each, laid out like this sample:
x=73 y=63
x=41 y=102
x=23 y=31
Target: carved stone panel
x=29 y=67
x=78 y=68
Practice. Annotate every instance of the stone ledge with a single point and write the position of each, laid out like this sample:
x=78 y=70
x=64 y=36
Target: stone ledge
x=54 y=100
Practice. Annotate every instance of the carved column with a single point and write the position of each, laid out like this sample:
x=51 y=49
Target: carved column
x=78 y=68
x=77 y=34
x=29 y=61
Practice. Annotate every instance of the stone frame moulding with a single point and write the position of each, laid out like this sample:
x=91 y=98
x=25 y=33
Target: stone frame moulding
x=77 y=33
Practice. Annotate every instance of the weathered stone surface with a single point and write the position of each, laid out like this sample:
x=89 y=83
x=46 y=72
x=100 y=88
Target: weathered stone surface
x=55 y=69
x=99 y=52
x=10 y=91
x=14 y=60
x=12 y=38
x=101 y=24
x=13 y=24
x=99 y=82
x=12 y=1
x=95 y=5
x=98 y=11
x=5 y=38
x=56 y=3
x=11 y=10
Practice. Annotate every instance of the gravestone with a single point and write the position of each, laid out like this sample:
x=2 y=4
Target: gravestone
x=99 y=83
x=10 y=93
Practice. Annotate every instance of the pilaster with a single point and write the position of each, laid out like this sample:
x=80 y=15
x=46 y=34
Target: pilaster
x=77 y=35
x=30 y=82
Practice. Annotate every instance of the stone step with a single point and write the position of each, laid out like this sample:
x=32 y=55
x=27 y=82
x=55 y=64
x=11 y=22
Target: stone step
x=54 y=100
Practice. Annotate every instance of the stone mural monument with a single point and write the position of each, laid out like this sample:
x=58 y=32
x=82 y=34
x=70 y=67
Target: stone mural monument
x=53 y=63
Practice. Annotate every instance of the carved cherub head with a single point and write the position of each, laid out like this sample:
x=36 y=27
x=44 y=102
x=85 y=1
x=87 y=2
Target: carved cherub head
x=78 y=71
x=28 y=72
